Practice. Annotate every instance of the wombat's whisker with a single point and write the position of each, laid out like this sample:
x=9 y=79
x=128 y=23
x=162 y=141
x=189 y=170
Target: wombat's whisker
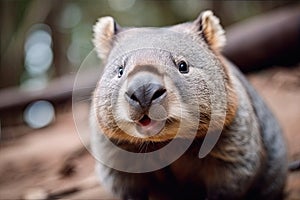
x=173 y=86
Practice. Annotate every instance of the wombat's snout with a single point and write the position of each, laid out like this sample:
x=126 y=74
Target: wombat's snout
x=145 y=90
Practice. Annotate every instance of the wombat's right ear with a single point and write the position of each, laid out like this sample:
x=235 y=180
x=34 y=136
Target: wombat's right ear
x=104 y=32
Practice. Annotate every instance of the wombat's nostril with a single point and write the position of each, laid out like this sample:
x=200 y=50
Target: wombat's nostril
x=158 y=93
x=145 y=94
x=134 y=98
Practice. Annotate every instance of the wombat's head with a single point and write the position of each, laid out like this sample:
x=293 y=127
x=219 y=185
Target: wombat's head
x=158 y=82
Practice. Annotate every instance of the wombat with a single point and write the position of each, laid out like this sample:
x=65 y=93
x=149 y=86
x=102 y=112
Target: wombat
x=162 y=93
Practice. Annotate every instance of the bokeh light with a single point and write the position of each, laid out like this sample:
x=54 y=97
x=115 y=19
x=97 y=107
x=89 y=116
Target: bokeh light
x=39 y=114
x=38 y=36
x=38 y=57
x=123 y=5
x=35 y=83
x=71 y=16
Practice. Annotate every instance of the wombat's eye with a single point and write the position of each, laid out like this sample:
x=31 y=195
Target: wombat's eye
x=120 y=71
x=183 y=67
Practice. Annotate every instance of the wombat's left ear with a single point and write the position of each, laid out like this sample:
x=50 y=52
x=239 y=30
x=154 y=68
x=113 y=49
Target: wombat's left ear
x=104 y=34
x=208 y=25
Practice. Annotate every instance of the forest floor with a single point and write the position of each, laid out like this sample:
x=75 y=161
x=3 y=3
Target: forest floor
x=50 y=163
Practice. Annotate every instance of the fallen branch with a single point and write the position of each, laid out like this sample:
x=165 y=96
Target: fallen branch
x=265 y=40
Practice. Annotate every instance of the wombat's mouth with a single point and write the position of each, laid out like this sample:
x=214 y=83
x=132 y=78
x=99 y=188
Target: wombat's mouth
x=145 y=120
x=149 y=127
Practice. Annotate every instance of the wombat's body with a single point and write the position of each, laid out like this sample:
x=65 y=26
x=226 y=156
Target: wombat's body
x=149 y=68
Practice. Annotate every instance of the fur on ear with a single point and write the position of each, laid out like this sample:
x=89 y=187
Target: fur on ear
x=104 y=31
x=208 y=25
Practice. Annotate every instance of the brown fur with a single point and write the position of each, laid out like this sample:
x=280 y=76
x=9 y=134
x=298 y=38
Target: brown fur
x=248 y=160
x=213 y=34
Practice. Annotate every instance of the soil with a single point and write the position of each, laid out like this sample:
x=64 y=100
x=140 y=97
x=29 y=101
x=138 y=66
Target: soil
x=50 y=163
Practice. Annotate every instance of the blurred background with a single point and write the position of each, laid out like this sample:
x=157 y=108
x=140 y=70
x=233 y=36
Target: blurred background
x=44 y=42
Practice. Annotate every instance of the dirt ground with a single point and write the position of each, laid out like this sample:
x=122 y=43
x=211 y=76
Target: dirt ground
x=49 y=163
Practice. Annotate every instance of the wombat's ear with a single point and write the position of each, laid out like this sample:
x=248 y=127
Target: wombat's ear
x=208 y=25
x=104 y=33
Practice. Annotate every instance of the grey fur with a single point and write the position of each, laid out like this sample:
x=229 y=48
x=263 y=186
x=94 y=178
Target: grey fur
x=249 y=159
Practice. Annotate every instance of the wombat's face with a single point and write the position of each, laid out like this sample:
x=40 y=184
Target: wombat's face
x=156 y=82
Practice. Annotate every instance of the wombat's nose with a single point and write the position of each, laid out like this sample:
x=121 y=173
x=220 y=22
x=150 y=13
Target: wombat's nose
x=145 y=95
